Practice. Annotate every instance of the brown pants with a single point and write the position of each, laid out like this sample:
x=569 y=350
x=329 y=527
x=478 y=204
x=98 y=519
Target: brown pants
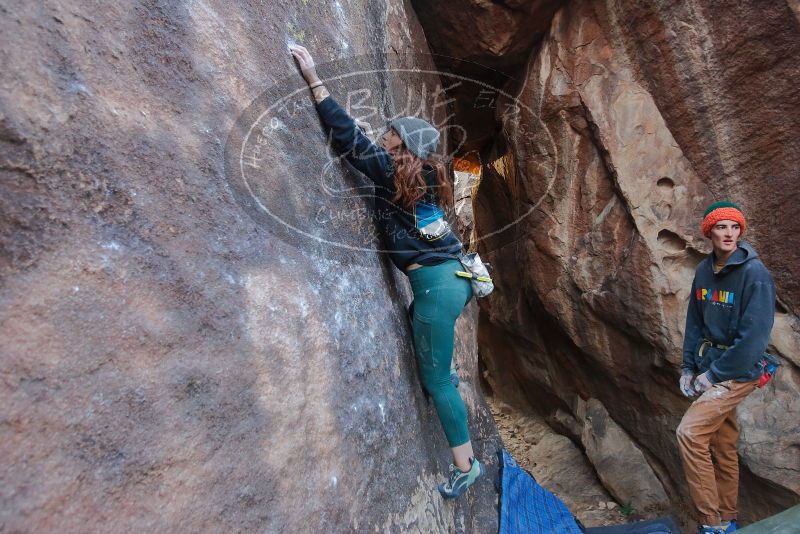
x=709 y=428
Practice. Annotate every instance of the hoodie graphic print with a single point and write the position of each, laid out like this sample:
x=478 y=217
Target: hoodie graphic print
x=734 y=308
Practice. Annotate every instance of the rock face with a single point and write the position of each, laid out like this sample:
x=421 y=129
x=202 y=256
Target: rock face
x=619 y=463
x=486 y=41
x=645 y=112
x=198 y=332
x=185 y=348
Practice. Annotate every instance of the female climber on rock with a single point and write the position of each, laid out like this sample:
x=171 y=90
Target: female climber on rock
x=410 y=191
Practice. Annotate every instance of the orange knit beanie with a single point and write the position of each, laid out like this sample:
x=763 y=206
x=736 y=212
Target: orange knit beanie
x=722 y=211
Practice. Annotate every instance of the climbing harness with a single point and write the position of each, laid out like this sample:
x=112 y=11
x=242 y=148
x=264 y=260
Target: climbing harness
x=465 y=274
x=706 y=344
x=768 y=364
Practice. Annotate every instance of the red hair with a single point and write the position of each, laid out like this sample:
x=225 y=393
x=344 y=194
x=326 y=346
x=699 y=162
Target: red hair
x=411 y=185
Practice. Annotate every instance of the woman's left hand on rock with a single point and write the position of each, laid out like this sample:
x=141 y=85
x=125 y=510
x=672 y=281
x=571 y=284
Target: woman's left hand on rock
x=306 y=63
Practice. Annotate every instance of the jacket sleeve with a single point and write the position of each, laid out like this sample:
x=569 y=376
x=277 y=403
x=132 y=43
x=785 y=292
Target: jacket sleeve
x=693 y=332
x=348 y=139
x=752 y=337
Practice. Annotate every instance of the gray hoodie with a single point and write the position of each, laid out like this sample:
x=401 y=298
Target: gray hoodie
x=735 y=308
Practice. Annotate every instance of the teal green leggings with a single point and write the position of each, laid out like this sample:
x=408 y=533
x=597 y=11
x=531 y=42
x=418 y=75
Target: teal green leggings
x=439 y=297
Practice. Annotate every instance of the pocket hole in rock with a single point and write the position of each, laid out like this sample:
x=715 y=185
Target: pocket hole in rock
x=665 y=184
x=671 y=241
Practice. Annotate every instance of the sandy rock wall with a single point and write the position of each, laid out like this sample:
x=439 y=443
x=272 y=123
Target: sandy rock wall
x=185 y=348
x=724 y=76
x=645 y=114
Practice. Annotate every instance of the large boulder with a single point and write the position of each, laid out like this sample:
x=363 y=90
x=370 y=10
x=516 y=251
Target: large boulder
x=186 y=347
x=620 y=464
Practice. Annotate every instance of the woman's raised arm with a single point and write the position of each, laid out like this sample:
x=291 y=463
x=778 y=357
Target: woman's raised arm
x=367 y=157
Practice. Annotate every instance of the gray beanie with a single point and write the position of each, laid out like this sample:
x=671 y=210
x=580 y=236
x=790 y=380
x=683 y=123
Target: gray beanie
x=420 y=137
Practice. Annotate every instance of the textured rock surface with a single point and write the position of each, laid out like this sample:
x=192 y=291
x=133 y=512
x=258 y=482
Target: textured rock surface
x=463 y=187
x=172 y=361
x=724 y=75
x=185 y=348
x=618 y=461
x=497 y=34
x=646 y=112
x=487 y=41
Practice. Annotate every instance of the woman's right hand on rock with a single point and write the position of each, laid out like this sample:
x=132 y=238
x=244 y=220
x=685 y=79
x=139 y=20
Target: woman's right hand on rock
x=306 y=63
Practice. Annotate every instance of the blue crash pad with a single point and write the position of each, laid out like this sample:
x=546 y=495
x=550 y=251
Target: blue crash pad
x=528 y=508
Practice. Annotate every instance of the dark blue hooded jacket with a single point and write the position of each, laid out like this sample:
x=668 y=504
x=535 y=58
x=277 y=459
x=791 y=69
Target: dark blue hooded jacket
x=735 y=308
x=398 y=226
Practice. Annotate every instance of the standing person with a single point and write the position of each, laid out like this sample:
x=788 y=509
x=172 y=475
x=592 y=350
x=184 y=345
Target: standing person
x=411 y=189
x=728 y=324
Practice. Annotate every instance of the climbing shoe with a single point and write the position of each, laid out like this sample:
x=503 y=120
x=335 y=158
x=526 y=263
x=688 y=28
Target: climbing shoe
x=730 y=526
x=459 y=481
x=706 y=529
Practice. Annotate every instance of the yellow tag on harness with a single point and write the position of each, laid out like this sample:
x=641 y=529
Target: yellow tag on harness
x=465 y=274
